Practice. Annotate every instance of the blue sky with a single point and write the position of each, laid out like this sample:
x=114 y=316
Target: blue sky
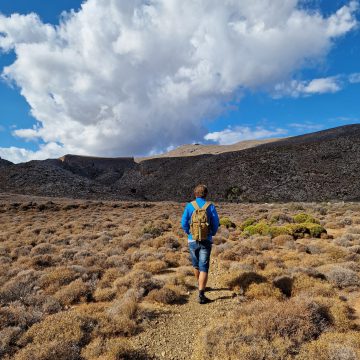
x=257 y=111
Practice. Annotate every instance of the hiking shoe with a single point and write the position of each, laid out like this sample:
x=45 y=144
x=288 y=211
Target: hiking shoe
x=203 y=299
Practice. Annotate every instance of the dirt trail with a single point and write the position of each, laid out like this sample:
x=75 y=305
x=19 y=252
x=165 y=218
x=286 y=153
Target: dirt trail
x=174 y=335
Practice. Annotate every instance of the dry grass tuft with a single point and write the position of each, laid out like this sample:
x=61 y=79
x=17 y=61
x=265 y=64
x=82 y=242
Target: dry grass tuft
x=59 y=336
x=332 y=345
x=342 y=277
x=74 y=292
x=243 y=280
x=263 y=291
x=167 y=295
x=108 y=349
x=271 y=329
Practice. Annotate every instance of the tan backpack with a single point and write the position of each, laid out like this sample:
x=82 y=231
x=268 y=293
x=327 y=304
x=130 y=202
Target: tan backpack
x=199 y=225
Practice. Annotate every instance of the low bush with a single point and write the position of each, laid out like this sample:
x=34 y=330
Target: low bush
x=281 y=218
x=156 y=228
x=104 y=294
x=297 y=319
x=276 y=231
x=154 y=267
x=296 y=230
x=226 y=222
x=284 y=284
x=108 y=349
x=139 y=280
x=246 y=223
x=340 y=313
x=263 y=291
x=73 y=292
x=19 y=315
x=281 y=240
x=56 y=278
x=8 y=339
x=119 y=318
x=167 y=295
x=332 y=345
x=19 y=287
x=243 y=280
x=301 y=230
x=305 y=218
x=310 y=286
x=58 y=336
x=261 y=228
x=267 y=329
x=342 y=277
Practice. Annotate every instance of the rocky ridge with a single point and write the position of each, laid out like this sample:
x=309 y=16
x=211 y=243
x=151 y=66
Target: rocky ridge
x=321 y=166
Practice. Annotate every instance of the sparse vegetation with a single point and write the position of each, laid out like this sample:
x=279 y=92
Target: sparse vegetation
x=226 y=222
x=300 y=226
x=86 y=280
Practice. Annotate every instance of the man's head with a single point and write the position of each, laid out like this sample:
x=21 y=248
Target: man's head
x=201 y=191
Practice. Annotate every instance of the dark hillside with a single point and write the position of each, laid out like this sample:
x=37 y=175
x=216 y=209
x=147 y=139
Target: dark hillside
x=4 y=163
x=320 y=166
x=313 y=167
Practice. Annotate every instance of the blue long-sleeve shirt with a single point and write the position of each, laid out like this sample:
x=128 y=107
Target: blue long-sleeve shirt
x=211 y=213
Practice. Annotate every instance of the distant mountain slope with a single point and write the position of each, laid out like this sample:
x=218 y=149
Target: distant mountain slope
x=199 y=149
x=320 y=166
x=70 y=176
x=313 y=167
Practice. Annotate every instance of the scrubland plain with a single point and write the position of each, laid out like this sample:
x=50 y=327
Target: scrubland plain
x=112 y=280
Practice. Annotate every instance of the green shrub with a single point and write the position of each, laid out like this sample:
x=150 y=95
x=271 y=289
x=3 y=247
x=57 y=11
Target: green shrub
x=275 y=231
x=316 y=230
x=305 y=218
x=298 y=231
x=262 y=228
x=225 y=221
x=246 y=223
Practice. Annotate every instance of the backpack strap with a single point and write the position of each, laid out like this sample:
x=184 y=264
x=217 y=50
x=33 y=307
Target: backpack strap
x=195 y=205
x=206 y=205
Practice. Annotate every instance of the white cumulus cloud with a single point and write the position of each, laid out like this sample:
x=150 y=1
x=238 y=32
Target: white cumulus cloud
x=240 y=133
x=133 y=77
x=296 y=88
x=18 y=155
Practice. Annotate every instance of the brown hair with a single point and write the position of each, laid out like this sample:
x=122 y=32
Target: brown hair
x=201 y=191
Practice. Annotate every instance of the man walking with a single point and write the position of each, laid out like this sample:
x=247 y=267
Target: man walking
x=200 y=221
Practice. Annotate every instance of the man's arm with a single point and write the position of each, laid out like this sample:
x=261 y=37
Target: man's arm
x=185 y=220
x=214 y=220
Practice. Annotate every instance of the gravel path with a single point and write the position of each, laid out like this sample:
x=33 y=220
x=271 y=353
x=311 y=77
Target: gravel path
x=173 y=335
